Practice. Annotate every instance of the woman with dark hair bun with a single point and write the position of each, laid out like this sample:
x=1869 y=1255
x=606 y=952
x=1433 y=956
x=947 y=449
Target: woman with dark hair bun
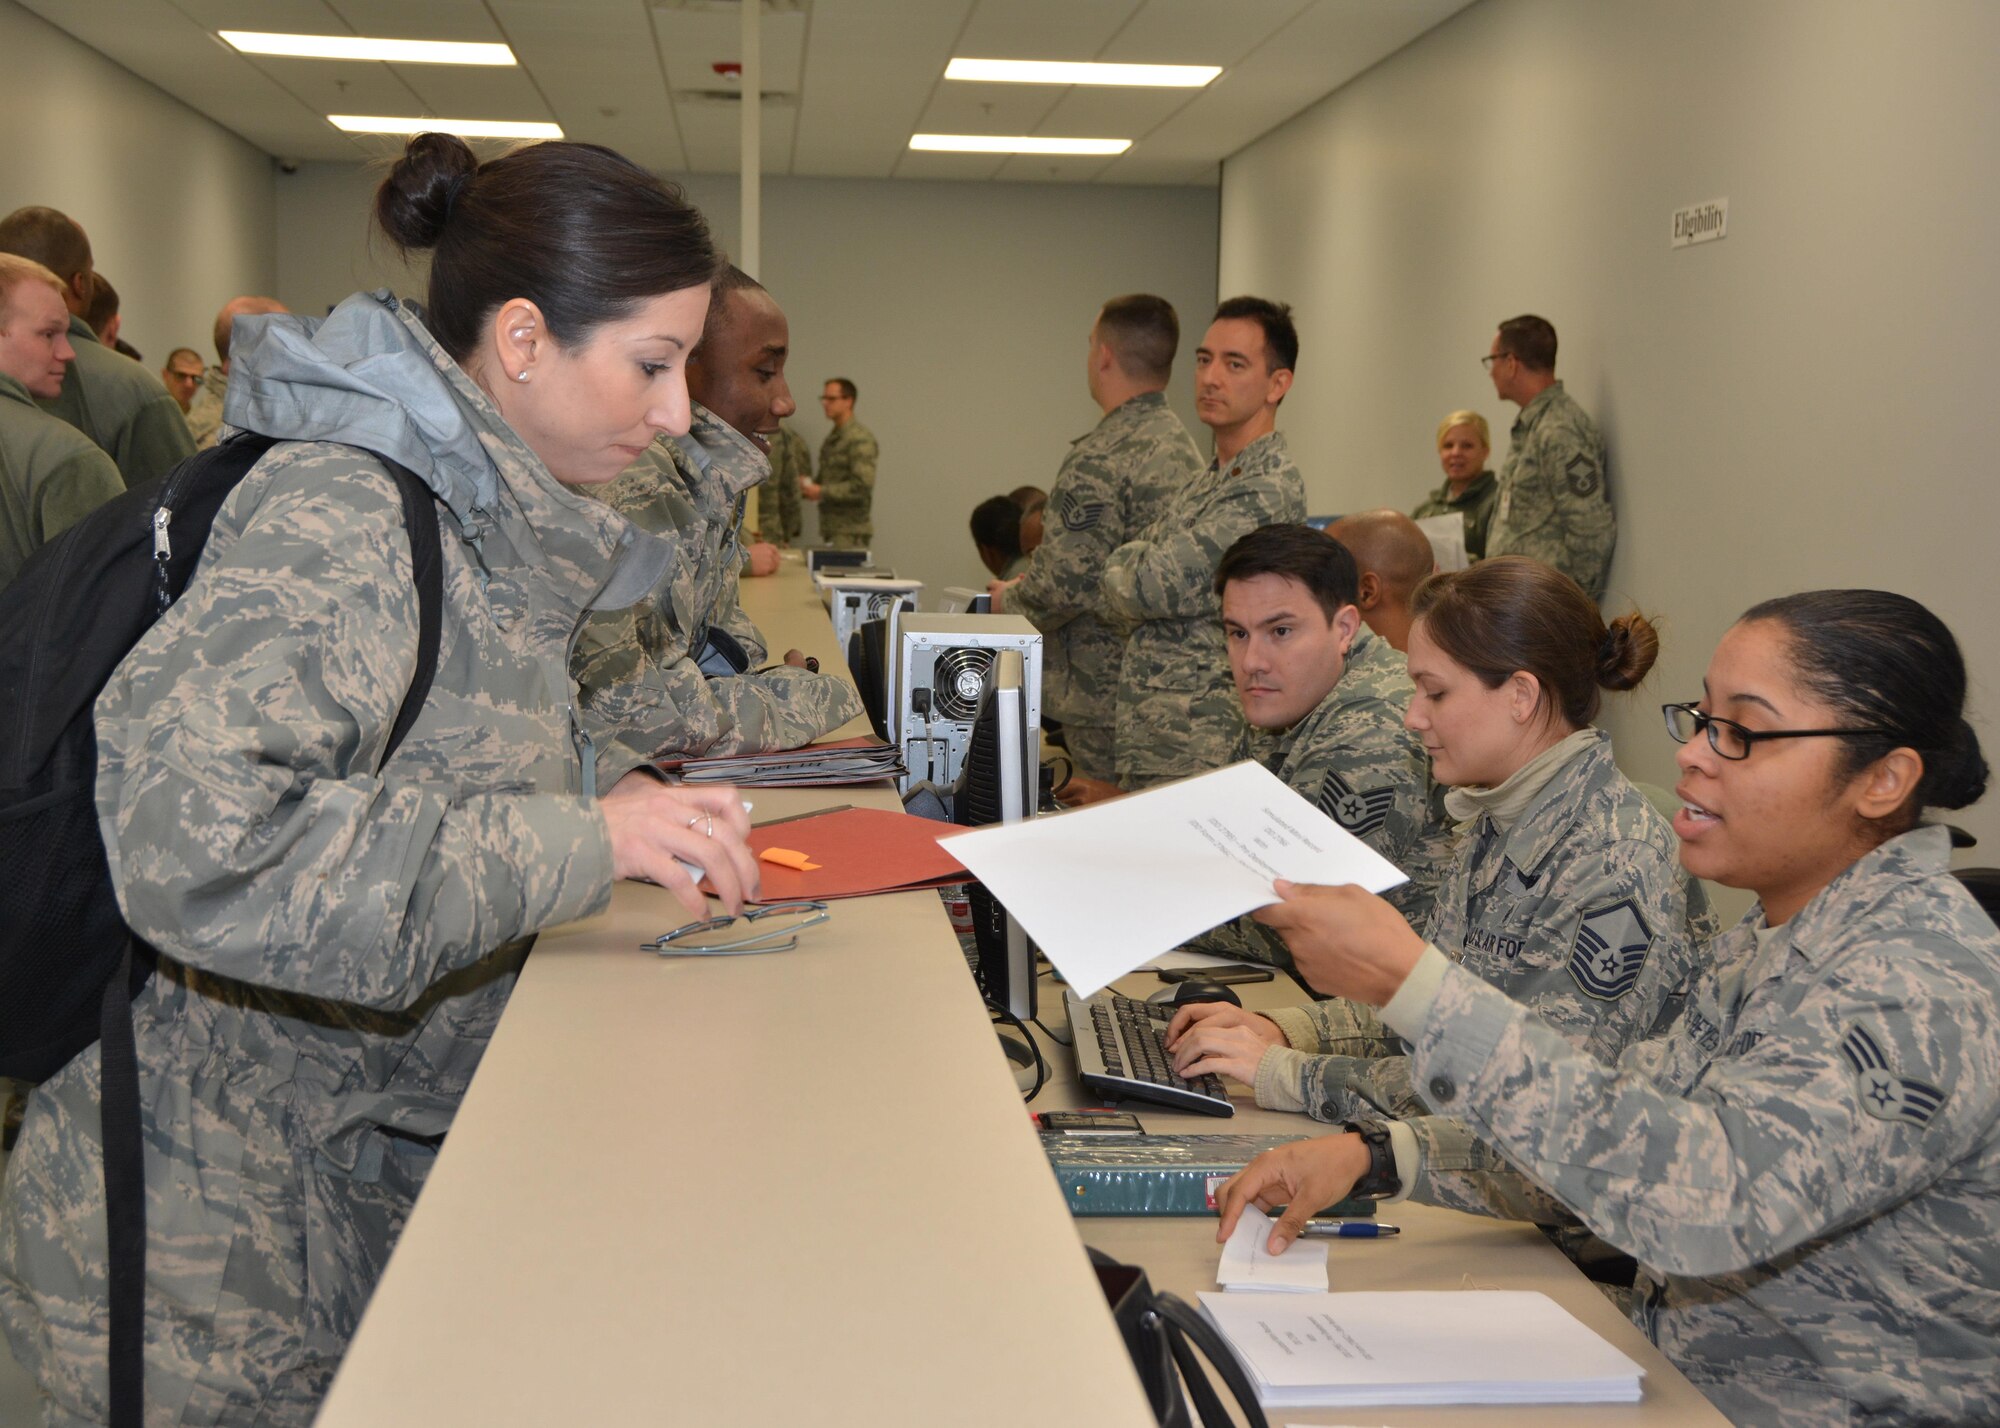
x=338 y=931
x=1563 y=892
x=1807 y=1162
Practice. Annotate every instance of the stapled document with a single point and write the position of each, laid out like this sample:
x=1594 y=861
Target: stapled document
x=1248 y=1264
x=1104 y=888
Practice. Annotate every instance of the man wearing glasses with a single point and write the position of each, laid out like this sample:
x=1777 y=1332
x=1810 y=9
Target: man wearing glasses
x=1553 y=504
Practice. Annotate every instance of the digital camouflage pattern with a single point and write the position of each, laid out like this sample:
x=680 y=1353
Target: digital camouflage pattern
x=639 y=669
x=204 y=413
x=1580 y=910
x=51 y=477
x=1114 y=482
x=1476 y=503
x=847 y=485
x=1353 y=760
x=1554 y=504
x=779 y=516
x=122 y=407
x=1806 y=1163
x=1177 y=708
x=338 y=940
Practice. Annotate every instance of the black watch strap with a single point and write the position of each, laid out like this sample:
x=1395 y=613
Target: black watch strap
x=1381 y=1180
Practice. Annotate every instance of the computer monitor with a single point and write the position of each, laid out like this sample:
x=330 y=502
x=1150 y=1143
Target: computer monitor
x=999 y=784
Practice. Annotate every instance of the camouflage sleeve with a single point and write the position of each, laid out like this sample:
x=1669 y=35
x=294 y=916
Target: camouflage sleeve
x=1885 y=1071
x=1080 y=529
x=854 y=479
x=732 y=621
x=77 y=486
x=1556 y=511
x=1169 y=574
x=1461 y=1172
x=248 y=830
x=154 y=442
x=1337 y=1027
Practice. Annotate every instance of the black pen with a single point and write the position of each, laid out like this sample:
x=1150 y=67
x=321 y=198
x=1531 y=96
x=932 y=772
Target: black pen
x=1347 y=1230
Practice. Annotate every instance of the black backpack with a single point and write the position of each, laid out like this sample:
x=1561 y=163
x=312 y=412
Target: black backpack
x=69 y=966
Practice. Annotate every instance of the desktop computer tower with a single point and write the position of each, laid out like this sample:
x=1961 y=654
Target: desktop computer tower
x=855 y=601
x=938 y=665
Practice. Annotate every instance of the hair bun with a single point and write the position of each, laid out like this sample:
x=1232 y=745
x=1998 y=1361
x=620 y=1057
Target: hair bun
x=1627 y=651
x=1955 y=776
x=415 y=201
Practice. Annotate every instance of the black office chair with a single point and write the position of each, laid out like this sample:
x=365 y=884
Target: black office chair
x=868 y=662
x=1984 y=885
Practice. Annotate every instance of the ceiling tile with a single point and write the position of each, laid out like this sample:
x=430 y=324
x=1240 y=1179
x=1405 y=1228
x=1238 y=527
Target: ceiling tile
x=401 y=20
x=712 y=133
x=1051 y=168
x=1192 y=32
x=949 y=166
x=587 y=58
x=1117 y=113
x=692 y=42
x=987 y=109
x=1043 y=29
x=460 y=92
x=870 y=70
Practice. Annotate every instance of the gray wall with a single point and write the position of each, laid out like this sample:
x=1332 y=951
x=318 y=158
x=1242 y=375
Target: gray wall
x=1803 y=403
x=178 y=209
x=960 y=310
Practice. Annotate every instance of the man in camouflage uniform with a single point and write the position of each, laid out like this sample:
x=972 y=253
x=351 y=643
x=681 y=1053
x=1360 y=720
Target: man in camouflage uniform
x=845 y=489
x=1394 y=557
x=679 y=675
x=1112 y=485
x=1177 y=714
x=1573 y=903
x=1324 y=700
x=204 y=413
x=779 y=520
x=338 y=939
x=1553 y=504
x=52 y=475
x=105 y=395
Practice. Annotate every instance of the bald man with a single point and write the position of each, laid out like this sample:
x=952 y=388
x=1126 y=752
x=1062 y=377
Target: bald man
x=1393 y=556
x=204 y=413
x=105 y=395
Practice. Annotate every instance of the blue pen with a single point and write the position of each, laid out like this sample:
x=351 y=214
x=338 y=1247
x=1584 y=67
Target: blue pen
x=1347 y=1230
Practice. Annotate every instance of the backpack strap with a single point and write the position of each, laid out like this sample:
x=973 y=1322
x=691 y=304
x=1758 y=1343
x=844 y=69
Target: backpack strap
x=124 y=1146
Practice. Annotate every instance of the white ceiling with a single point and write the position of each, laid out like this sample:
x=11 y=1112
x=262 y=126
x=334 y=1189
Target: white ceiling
x=847 y=81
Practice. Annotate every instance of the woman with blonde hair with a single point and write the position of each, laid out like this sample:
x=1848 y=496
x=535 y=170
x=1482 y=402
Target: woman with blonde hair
x=1470 y=488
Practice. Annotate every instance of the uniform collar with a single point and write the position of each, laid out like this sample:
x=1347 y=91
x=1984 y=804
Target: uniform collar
x=1271 y=442
x=15 y=391
x=1476 y=487
x=721 y=453
x=1544 y=399
x=1553 y=811
x=1815 y=931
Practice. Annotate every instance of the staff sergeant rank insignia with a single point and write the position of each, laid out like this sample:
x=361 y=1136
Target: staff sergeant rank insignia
x=1359 y=813
x=1610 y=951
x=1883 y=1093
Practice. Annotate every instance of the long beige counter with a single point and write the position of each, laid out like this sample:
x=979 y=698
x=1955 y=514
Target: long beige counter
x=791 y=1189
x=705 y=1192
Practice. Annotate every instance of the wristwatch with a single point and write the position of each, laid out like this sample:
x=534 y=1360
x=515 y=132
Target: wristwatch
x=1381 y=1180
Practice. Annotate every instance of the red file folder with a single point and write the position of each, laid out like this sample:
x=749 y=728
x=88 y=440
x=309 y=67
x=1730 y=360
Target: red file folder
x=860 y=851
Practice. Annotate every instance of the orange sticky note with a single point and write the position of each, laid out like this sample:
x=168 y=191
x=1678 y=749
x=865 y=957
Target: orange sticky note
x=788 y=858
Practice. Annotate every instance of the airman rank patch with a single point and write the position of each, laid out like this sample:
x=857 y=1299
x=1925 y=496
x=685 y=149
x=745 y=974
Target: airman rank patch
x=1582 y=474
x=1610 y=951
x=1359 y=813
x=1080 y=515
x=1883 y=1093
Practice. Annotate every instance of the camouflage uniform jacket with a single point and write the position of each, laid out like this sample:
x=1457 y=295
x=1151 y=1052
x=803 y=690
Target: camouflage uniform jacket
x=1113 y=483
x=204 y=413
x=51 y=477
x=338 y=940
x=1553 y=502
x=1579 y=910
x=122 y=407
x=1177 y=708
x=1353 y=760
x=639 y=669
x=779 y=520
x=1475 y=503
x=847 y=483
x=1806 y=1163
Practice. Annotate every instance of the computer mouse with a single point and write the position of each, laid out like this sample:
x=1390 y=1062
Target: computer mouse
x=1183 y=993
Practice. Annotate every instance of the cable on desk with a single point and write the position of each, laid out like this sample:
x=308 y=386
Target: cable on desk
x=1034 y=1048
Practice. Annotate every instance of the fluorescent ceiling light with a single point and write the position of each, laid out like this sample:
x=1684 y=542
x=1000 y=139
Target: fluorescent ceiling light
x=464 y=128
x=357 y=47
x=1014 y=144
x=1153 y=76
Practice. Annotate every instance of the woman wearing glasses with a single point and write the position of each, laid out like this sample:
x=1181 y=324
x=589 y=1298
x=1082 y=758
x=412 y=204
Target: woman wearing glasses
x=1807 y=1162
x=1564 y=891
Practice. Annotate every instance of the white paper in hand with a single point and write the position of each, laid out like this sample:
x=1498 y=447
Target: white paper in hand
x=1248 y=1264
x=1107 y=887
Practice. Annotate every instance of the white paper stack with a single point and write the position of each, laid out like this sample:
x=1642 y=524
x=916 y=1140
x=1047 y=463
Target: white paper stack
x=1247 y=1263
x=1419 y=1347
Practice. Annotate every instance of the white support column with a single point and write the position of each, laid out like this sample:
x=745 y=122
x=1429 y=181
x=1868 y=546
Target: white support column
x=748 y=254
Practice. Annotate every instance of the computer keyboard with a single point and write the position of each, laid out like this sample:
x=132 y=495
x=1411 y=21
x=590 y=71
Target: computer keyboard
x=1121 y=1054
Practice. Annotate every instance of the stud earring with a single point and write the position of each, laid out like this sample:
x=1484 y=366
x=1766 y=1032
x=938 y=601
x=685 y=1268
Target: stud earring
x=523 y=376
